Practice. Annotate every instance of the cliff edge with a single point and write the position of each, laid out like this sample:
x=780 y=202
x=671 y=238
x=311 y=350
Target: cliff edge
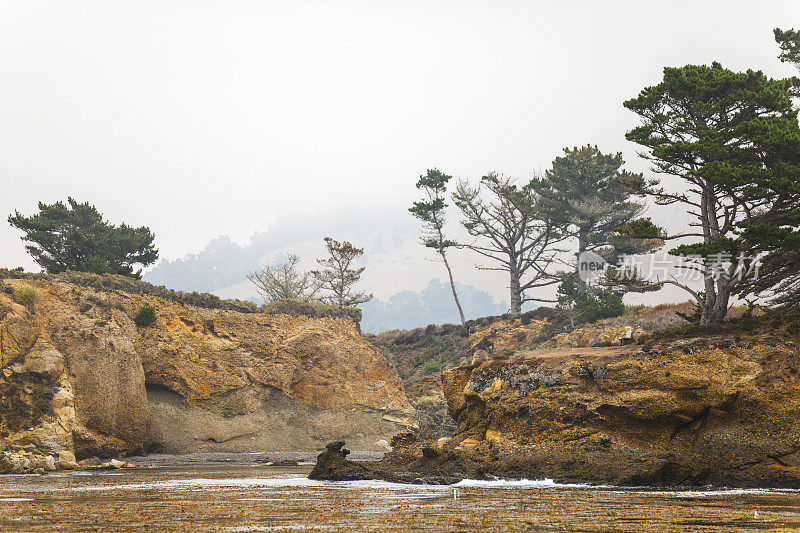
x=77 y=374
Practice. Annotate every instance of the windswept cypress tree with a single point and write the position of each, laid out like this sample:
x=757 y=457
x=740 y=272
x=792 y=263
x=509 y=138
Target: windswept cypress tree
x=776 y=233
x=431 y=211
x=732 y=138
x=74 y=236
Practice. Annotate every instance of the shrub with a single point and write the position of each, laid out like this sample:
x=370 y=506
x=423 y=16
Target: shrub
x=794 y=327
x=695 y=315
x=26 y=296
x=310 y=309
x=432 y=367
x=145 y=317
x=589 y=306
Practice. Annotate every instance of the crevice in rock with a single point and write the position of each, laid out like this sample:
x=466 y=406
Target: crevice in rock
x=694 y=424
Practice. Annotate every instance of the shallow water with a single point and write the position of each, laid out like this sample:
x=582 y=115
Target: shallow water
x=260 y=498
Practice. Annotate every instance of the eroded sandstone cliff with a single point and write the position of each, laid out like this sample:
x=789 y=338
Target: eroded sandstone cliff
x=79 y=375
x=722 y=408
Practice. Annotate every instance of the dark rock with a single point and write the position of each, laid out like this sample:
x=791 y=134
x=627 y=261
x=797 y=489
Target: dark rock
x=334 y=446
x=284 y=462
x=429 y=453
x=333 y=465
x=403 y=440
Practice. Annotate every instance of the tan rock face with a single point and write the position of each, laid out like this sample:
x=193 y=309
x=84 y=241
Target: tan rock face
x=604 y=335
x=709 y=410
x=35 y=392
x=511 y=334
x=197 y=379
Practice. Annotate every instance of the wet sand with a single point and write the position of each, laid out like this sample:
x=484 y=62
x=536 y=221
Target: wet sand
x=235 y=496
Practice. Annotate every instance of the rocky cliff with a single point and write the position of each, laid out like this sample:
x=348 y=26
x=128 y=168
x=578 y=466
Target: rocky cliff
x=78 y=374
x=722 y=408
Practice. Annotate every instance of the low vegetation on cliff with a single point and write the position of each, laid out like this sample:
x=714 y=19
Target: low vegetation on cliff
x=107 y=365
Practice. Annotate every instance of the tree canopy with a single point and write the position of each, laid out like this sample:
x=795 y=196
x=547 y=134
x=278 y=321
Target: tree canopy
x=789 y=42
x=732 y=138
x=512 y=232
x=777 y=235
x=587 y=193
x=337 y=275
x=74 y=236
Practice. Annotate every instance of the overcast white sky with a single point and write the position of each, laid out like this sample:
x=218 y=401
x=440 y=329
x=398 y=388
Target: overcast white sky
x=201 y=118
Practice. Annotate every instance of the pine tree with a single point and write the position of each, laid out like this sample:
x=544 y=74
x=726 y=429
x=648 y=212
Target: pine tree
x=589 y=194
x=732 y=139
x=74 y=236
x=431 y=211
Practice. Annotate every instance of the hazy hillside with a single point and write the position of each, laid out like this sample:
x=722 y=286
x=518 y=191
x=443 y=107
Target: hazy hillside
x=433 y=305
x=223 y=264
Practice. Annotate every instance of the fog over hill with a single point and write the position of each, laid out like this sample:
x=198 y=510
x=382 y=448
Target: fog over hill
x=404 y=280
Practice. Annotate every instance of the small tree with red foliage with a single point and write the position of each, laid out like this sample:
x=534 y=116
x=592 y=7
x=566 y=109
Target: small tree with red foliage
x=338 y=277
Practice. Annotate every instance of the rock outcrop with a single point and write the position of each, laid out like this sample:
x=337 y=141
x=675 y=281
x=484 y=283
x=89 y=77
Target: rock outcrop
x=721 y=410
x=79 y=375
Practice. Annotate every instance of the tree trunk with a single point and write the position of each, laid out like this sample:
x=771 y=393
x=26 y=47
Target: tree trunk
x=716 y=308
x=453 y=286
x=516 y=293
x=581 y=247
x=717 y=291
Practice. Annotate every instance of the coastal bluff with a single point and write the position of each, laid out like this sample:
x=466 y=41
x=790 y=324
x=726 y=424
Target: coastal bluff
x=719 y=408
x=78 y=375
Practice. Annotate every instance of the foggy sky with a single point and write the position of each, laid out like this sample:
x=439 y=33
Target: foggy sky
x=206 y=118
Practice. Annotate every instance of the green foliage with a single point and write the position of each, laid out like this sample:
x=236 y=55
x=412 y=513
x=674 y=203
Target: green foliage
x=430 y=210
x=432 y=367
x=789 y=42
x=793 y=328
x=733 y=138
x=26 y=296
x=588 y=190
x=588 y=193
x=777 y=272
x=74 y=236
x=588 y=306
x=95 y=265
x=641 y=228
x=412 y=349
x=695 y=315
x=145 y=317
